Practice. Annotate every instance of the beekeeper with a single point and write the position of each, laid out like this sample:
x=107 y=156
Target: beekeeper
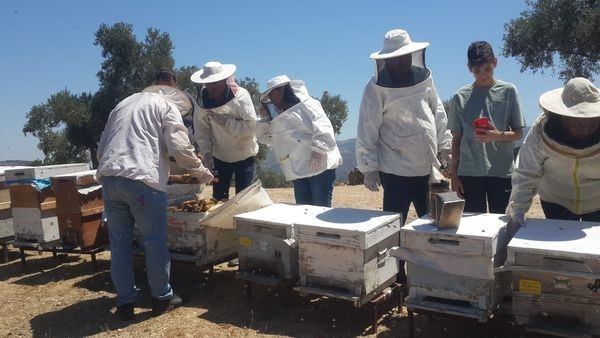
x=401 y=126
x=224 y=127
x=560 y=157
x=295 y=125
x=133 y=168
x=166 y=84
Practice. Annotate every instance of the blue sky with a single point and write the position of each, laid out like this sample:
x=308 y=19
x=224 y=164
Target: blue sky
x=47 y=46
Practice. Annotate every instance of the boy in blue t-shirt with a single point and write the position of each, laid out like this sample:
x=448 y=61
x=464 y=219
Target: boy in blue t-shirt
x=482 y=156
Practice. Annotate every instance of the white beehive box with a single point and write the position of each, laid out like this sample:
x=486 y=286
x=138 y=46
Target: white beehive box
x=7 y=230
x=34 y=210
x=556 y=276
x=452 y=270
x=268 y=248
x=344 y=253
x=29 y=173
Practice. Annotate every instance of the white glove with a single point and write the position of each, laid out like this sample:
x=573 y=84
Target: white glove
x=204 y=175
x=372 y=180
x=208 y=161
x=315 y=161
x=445 y=157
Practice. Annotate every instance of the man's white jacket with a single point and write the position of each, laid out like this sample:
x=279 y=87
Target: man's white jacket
x=138 y=138
x=559 y=174
x=400 y=130
x=297 y=132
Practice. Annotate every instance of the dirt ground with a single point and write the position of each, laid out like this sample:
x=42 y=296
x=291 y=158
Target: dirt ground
x=64 y=297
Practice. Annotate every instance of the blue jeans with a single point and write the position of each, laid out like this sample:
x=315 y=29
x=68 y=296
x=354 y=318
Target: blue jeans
x=128 y=202
x=244 y=173
x=557 y=211
x=315 y=190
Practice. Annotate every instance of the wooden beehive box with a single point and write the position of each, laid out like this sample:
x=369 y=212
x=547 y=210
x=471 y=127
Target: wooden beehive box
x=453 y=269
x=268 y=247
x=344 y=253
x=7 y=230
x=556 y=276
x=33 y=207
x=79 y=208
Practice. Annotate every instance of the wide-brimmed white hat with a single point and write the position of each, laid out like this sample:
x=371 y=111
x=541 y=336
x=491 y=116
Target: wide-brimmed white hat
x=397 y=42
x=273 y=83
x=578 y=98
x=213 y=71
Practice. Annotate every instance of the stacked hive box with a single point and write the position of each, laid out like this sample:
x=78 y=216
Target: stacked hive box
x=345 y=253
x=556 y=277
x=33 y=202
x=79 y=208
x=7 y=230
x=452 y=270
x=268 y=246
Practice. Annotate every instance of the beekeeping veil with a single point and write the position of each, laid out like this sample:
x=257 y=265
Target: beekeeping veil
x=397 y=43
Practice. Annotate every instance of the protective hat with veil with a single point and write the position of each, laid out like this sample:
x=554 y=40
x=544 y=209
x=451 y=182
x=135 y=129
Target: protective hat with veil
x=211 y=72
x=396 y=44
x=579 y=98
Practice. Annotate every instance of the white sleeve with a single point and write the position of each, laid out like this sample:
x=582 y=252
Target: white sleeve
x=178 y=143
x=527 y=174
x=323 y=139
x=244 y=123
x=370 y=119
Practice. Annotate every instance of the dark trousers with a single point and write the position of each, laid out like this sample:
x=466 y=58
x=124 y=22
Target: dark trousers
x=398 y=193
x=315 y=190
x=484 y=191
x=243 y=171
x=557 y=211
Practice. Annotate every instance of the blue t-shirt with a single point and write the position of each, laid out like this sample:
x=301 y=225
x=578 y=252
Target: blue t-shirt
x=500 y=104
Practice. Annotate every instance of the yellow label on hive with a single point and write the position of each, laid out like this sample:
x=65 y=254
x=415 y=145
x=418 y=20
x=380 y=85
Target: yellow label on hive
x=245 y=242
x=530 y=286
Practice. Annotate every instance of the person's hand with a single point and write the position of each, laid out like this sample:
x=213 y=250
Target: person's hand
x=208 y=161
x=487 y=135
x=456 y=185
x=220 y=119
x=204 y=175
x=315 y=161
x=446 y=157
x=372 y=180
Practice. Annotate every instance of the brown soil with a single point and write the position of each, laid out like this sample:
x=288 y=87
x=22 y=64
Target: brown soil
x=64 y=297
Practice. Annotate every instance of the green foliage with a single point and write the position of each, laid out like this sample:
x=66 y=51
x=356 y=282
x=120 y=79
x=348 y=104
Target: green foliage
x=336 y=109
x=183 y=79
x=272 y=179
x=61 y=126
x=69 y=126
x=565 y=29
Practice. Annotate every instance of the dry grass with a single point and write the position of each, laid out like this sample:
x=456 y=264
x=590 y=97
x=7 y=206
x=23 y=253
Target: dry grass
x=64 y=298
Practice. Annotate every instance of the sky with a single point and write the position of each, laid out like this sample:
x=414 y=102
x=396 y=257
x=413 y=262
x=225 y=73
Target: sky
x=48 y=45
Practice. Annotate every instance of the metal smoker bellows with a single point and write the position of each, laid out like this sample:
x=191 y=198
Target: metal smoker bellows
x=444 y=206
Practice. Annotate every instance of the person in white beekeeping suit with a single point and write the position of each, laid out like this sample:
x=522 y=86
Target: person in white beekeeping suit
x=560 y=157
x=401 y=126
x=224 y=127
x=133 y=167
x=295 y=125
